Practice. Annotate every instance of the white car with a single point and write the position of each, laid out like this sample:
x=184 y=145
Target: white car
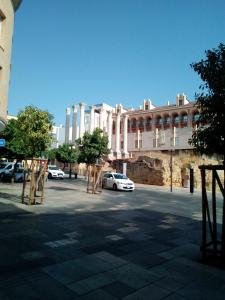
x=117 y=181
x=55 y=172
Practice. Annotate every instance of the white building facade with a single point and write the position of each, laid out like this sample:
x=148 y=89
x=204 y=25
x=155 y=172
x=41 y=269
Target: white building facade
x=149 y=128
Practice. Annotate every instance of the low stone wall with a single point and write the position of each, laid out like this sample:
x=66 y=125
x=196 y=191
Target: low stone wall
x=155 y=168
x=147 y=171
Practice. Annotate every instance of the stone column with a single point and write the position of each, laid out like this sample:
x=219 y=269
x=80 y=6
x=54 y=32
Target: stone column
x=82 y=106
x=101 y=118
x=156 y=137
x=125 y=136
x=153 y=122
x=138 y=139
x=67 y=127
x=92 y=118
x=109 y=129
x=174 y=135
x=74 y=123
x=118 y=152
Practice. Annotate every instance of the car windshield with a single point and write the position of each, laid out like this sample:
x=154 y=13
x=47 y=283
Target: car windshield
x=120 y=176
x=53 y=168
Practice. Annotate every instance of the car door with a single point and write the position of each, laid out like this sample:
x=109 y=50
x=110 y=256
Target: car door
x=110 y=181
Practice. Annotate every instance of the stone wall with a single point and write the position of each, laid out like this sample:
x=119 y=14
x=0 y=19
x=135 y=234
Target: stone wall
x=154 y=168
x=143 y=170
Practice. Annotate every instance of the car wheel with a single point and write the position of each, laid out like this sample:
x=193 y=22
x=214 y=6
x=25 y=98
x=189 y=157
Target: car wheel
x=20 y=179
x=114 y=187
x=49 y=176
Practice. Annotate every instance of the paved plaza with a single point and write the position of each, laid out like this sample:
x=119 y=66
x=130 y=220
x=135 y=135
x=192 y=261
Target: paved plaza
x=114 y=245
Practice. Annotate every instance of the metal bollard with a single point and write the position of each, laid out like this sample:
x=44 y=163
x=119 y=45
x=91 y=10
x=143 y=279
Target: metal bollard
x=191 y=181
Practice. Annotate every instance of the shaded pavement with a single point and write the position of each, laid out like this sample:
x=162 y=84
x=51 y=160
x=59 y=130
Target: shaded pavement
x=83 y=246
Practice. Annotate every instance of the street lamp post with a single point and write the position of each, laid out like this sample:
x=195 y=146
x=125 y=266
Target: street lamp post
x=171 y=157
x=171 y=170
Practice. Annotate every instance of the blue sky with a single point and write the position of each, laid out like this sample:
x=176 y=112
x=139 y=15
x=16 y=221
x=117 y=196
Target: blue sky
x=113 y=51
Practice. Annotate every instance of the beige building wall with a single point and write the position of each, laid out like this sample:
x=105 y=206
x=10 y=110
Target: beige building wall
x=7 y=12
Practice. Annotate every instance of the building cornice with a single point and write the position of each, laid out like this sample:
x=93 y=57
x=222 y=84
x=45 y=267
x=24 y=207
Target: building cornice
x=160 y=109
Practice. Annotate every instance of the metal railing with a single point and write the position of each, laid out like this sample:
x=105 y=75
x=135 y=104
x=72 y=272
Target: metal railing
x=213 y=235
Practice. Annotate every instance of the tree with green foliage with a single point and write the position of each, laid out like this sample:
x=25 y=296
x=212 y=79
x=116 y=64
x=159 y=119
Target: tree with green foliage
x=209 y=136
x=92 y=147
x=29 y=135
x=51 y=154
x=66 y=154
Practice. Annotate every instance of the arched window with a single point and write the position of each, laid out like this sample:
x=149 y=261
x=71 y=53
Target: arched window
x=158 y=122
x=166 y=121
x=133 y=125
x=184 y=119
x=148 y=123
x=128 y=125
x=141 y=124
x=176 y=119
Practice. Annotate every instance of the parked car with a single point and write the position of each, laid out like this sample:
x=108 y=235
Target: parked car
x=117 y=181
x=6 y=167
x=55 y=172
x=17 y=175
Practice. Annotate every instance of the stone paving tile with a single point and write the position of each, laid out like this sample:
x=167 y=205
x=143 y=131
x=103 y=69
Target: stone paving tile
x=4 y=296
x=118 y=289
x=128 y=229
x=50 y=288
x=93 y=264
x=23 y=291
x=9 y=280
x=189 y=249
x=74 y=271
x=56 y=272
x=89 y=284
x=73 y=234
x=164 y=226
x=180 y=241
x=196 y=291
x=33 y=255
x=60 y=243
x=115 y=249
x=133 y=236
x=144 y=259
x=203 y=269
x=170 y=284
x=115 y=261
x=167 y=255
x=151 y=291
x=62 y=254
x=98 y=295
x=182 y=277
x=114 y=237
x=152 y=246
x=133 y=275
x=33 y=285
x=175 y=296
x=131 y=224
